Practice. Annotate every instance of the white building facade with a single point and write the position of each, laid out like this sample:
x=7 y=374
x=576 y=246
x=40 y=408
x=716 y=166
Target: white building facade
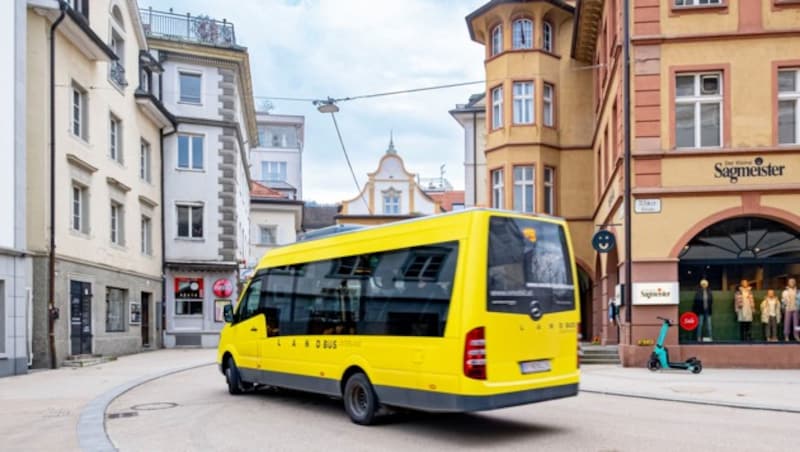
x=472 y=117
x=15 y=266
x=275 y=220
x=391 y=193
x=207 y=87
x=277 y=162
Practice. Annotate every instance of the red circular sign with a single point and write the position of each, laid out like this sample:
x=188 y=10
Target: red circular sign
x=689 y=321
x=223 y=288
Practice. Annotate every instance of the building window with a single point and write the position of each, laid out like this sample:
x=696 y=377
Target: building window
x=190 y=152
x=497 y=40
x=190 y=88
x=547 y=36
x=79 y=112
x=2 y=316
x=144 y=161
x=117 y=222
x=524 y=188
x=523 y=103
x=147 y=236
x=189 y=296
x=391 y=203
x=281 y=137
x=262 y=136
x=497 y=107
x=80 y=209
x=268 y=235
x=117 y=67
x=789 y=106
x=549 y=190
x=698 y=110
x=115 y=309
x=547 y=104
x=115 y=138
x=697 y=2
x=497 y=189
x=273 y=171
x=190 y=221
x=522 y=34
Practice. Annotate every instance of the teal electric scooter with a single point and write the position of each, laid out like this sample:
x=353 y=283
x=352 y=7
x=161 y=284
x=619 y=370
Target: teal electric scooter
x=660 y=357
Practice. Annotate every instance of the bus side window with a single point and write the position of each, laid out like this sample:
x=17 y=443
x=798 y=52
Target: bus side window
x=251 y=301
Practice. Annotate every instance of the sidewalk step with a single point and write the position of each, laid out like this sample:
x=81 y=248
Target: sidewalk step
x=86 y=360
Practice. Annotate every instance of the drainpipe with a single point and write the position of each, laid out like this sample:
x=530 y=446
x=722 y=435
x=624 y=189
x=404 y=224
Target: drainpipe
x=51 y=311
x=626 y=78
x=162 y=314
x=474 y=158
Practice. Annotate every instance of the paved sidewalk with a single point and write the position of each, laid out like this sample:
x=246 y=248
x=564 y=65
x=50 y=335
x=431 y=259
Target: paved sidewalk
x=777 y=390
x=41 y=410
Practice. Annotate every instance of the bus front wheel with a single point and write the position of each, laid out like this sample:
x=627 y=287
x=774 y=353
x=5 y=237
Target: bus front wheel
x=360 y=400
x=233 y=378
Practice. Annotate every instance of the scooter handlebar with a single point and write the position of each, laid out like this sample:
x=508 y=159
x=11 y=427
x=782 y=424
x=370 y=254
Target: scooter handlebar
x=666 y=320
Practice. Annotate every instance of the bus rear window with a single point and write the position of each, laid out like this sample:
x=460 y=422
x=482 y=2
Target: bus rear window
x=528 y=261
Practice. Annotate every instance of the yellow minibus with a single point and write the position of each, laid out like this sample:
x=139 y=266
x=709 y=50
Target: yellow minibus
x=464 y=311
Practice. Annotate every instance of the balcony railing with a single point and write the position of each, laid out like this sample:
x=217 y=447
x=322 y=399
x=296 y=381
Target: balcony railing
x=117 y=74
x=188 y=28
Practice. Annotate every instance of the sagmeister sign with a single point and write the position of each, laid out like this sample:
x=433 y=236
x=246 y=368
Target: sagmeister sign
x=665 y=293
x=733 y=170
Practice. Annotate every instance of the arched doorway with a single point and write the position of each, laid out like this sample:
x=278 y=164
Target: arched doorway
x=763 y=252
x=585 y=291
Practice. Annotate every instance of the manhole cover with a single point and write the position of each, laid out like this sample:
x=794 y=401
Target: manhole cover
x=122 y=414
x=154 y=406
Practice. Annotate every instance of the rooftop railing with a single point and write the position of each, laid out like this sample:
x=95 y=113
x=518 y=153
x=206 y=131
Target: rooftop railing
x=187 y=28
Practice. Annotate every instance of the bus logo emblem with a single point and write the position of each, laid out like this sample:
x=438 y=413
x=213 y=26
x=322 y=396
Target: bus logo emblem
x=536 y=310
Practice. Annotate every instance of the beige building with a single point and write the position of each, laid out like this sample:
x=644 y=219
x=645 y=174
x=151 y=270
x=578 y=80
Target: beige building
x=94 y=192
x=275 y=220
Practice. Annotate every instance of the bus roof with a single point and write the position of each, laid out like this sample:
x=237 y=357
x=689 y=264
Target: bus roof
x=334 y=234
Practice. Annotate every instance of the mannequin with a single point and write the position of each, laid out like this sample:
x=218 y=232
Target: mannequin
x=745 y=306
x=789 y=302
x=771 y=316
x=702 y=307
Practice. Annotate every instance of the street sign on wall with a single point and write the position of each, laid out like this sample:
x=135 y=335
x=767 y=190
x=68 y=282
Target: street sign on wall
x=647 y=206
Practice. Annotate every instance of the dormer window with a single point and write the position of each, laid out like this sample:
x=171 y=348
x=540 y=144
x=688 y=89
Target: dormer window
x=80 y=6
x=522 y=34
x=497 y=40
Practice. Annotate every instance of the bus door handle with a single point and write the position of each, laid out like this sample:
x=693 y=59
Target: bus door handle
x=254 y=329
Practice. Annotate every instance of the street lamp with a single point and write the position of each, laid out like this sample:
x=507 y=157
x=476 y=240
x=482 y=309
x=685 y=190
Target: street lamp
x=326 y=106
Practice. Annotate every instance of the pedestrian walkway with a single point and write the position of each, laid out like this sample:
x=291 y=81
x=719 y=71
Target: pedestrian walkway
x=777 y=390
x=41 y=410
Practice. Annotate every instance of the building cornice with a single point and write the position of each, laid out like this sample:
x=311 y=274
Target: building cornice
x=80 y=163
x=471 y=17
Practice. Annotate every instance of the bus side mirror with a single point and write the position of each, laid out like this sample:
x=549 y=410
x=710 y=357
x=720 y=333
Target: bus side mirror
x=227 y=312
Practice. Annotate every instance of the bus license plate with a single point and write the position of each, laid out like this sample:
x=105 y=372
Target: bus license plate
x=532 y=367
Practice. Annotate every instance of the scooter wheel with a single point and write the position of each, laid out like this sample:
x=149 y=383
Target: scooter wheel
x=653 y=365
x=697 y=367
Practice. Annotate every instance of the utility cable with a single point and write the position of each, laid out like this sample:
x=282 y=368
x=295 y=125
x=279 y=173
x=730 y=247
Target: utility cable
x=344 y=150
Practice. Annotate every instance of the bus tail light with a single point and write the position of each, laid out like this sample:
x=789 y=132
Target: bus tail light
x=475 y=354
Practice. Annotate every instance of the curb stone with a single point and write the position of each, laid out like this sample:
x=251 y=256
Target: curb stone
x=92 y=435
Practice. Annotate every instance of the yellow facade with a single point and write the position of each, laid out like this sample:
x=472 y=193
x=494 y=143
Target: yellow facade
x=564 y=145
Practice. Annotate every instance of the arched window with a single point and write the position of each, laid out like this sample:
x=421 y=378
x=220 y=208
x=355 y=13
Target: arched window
x=116 y=13
x=497 y=39
x=547 y=36
x=744 y=239
x=522 y=34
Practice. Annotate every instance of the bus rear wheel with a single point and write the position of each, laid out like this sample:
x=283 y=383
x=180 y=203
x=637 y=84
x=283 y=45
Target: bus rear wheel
x=360 y=401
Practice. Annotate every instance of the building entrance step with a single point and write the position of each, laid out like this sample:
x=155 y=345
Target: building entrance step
x=86 y=360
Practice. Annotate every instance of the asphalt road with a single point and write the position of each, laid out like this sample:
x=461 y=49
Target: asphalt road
x=193 y=411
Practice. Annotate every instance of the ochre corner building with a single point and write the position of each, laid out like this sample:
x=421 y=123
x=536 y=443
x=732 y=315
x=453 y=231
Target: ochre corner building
x=714 y=136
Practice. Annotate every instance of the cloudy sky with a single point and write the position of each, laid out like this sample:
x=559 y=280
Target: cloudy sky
x=340 y=48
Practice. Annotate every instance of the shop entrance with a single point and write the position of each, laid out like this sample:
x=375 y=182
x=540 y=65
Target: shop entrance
x=80 y=294
x=585 y=291
x=757 y=253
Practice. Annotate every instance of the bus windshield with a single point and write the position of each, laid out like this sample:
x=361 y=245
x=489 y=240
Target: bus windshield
x=528 y=261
